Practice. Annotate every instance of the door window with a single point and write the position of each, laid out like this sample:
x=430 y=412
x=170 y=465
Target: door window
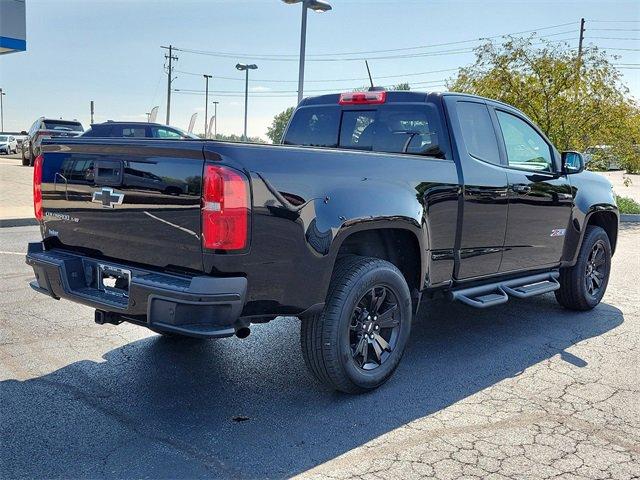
x=526 y=149
x=166 y=133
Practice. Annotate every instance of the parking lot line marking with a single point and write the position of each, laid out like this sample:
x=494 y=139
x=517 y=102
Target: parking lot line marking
x=12 y=253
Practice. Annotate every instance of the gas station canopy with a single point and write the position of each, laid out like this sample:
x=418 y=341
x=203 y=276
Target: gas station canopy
x=13 y=28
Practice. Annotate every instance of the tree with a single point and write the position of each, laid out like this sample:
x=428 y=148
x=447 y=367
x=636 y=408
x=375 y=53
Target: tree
x=401 y=86
x=576 y=102
x=276 y=131
x=237 y=138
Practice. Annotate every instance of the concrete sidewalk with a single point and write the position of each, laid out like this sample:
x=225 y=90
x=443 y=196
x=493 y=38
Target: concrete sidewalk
x=16 y=192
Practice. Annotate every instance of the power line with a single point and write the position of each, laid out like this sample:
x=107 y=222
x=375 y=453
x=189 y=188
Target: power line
x=612 y=21
x=324 y=90
x=615 y=29
x=358 y=79
x=621 y=49
x=614 y=38
x=318 y=57
x=455 y=51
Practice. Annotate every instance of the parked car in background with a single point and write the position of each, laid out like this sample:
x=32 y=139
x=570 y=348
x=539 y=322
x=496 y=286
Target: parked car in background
x=47 y=128
x=601 y=157
x=20 y=139
x=8 y=144
x=137 y=130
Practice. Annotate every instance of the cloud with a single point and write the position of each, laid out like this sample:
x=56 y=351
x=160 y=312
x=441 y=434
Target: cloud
x=259 y=89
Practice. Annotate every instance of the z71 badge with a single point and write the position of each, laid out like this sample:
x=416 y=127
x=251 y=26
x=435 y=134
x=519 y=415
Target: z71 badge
x=558 y=232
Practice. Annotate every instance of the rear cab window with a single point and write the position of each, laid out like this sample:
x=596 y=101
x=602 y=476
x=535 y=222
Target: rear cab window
x=62 y=125
x=412 y=128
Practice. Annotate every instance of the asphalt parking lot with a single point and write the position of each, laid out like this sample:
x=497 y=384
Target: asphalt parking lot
x=524 y=390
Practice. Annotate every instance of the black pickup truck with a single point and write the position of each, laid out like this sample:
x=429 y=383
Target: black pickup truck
x=376 y=200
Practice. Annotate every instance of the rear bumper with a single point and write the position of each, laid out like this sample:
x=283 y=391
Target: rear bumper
x=199 y=306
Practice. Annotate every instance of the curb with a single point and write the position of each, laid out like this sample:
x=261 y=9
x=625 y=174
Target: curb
x=630 y=217
x=18 y=222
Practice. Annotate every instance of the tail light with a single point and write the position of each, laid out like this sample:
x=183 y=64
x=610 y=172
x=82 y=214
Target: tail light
x=37 y=188
x=363 y=98
x=225 y=209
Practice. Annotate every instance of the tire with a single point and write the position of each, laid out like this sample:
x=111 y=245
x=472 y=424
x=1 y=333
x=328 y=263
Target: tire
x=340 y=345
x=25 y=161
x=579 y=287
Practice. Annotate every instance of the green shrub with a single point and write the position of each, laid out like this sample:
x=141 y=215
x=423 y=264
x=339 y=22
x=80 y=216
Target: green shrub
x=627 y=205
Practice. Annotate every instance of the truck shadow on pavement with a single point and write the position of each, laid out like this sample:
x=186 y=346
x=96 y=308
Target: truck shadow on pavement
x=164 y=408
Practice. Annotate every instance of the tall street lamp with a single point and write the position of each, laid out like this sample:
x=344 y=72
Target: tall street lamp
x=2 y=94
x=318 y=6
x=215 y=119
x=206 y=102
x=244 y=67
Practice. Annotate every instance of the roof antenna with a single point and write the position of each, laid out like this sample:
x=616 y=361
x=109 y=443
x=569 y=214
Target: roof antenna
x=366 y=62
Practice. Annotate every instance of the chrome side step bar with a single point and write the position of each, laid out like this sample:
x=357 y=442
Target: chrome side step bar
x=496 y=293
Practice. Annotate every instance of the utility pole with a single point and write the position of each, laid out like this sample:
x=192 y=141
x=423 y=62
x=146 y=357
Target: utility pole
x=170 y=57
x=91 y=108
x=2 y=94
x=579 y=60
x=206 y=103
x=581 y=40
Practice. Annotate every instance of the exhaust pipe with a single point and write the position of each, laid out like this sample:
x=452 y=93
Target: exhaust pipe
x=243 y=332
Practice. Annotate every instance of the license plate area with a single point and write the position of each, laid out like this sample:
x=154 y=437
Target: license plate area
x=114 y=280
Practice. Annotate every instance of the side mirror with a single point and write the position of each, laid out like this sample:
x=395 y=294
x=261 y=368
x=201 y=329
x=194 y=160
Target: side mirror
x=572 y=162
x=23 y=132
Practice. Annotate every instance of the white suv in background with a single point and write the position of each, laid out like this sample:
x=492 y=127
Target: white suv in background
x=8 y=144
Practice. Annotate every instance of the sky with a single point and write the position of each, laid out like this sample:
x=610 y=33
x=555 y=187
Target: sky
x=110 y=52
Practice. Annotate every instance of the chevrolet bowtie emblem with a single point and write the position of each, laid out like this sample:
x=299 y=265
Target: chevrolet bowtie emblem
x=107 y=197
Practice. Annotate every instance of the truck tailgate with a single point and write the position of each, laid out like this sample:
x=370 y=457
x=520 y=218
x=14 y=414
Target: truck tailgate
x=137 y=201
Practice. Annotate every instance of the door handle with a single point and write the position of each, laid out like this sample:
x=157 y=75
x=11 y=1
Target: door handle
x=521 y=188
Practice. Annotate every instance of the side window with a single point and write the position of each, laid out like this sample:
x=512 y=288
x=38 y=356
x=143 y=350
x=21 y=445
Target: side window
x=477 y=131
x=133 y=132
x=356 y=130
x=526 y=149
x=165 y=133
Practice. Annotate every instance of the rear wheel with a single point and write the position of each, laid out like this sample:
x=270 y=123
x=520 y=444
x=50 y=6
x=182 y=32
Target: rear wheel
x=583 y=285
x=356 y=343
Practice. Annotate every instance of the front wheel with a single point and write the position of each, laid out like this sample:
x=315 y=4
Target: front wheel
x=356 y=343
x=583 y=285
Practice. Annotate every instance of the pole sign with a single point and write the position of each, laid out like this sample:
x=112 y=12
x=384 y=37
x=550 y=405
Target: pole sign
x=13 y=26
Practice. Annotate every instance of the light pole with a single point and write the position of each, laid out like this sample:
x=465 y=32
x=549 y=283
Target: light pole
x=318 y=6
x=215 y=119
x=206 y=102
x=244 y=67
x=2 y=94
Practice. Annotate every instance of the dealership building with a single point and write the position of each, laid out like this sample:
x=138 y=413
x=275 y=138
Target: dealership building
x=13 y=26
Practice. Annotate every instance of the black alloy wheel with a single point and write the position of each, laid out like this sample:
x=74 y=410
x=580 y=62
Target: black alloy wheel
x=374 y=329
